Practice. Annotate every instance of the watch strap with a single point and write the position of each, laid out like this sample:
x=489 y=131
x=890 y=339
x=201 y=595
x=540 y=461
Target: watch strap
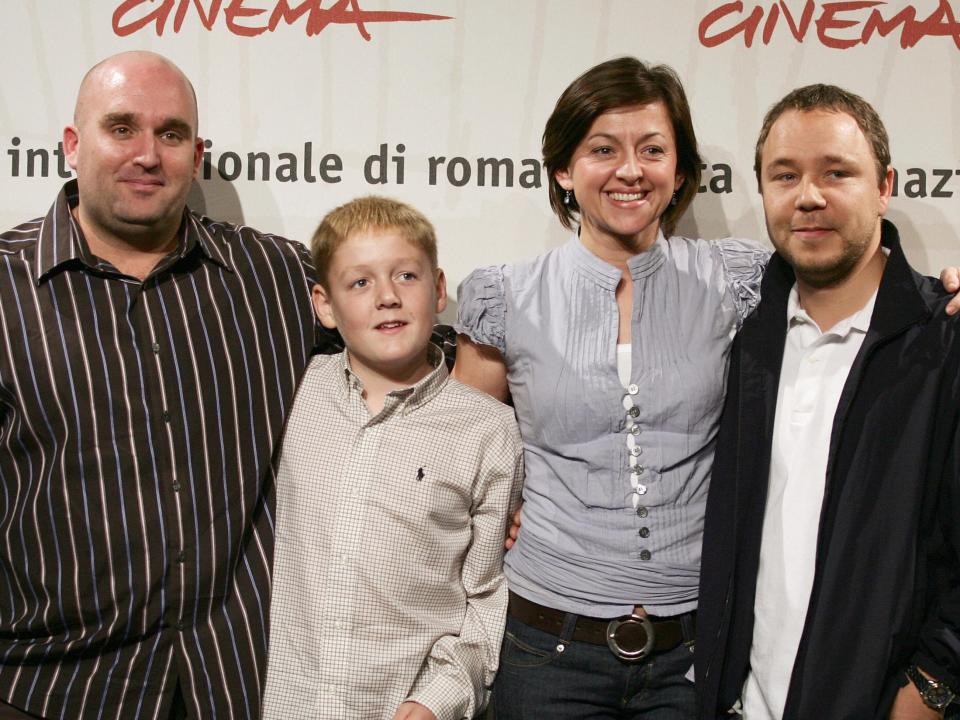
x=935 y=694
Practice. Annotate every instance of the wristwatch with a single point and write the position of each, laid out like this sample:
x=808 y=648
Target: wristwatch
x=935 y=694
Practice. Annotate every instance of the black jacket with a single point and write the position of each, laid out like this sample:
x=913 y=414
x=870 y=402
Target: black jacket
x=886 y=587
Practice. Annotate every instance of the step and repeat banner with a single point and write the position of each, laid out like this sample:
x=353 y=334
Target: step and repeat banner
x=305 y=104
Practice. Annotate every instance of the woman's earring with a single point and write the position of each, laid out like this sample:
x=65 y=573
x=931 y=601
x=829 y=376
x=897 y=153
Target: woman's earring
x=567 y=196
x=673 y=200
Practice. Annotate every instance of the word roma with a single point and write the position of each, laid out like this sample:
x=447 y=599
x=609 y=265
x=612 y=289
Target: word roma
x=239 y=18
x=716 y=29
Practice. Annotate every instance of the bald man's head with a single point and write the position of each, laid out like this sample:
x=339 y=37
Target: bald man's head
x=135 y=149
x=117 y=67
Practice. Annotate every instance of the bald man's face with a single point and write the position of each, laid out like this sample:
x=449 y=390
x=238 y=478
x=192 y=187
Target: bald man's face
x=134 y=148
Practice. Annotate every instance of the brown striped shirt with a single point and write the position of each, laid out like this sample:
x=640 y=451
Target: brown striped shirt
x=137 y=423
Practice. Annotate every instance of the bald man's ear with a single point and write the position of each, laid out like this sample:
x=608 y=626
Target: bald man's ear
x=71 y=139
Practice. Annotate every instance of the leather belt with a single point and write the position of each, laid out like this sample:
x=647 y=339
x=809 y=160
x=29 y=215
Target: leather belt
x=632 y=637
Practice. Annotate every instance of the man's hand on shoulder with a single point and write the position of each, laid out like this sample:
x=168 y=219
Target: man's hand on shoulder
x=413 y=711
x=950 y=277
x=908 y=705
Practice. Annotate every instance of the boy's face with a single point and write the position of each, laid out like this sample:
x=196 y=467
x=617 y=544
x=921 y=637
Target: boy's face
x=383 y=296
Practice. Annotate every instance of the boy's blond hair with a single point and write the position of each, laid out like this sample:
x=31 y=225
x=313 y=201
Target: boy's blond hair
x=372 y=212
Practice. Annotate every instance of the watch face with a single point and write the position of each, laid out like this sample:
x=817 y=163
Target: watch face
x=937 y=696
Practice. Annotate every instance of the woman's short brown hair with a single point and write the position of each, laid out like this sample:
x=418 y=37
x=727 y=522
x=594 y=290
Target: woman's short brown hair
x=619 y=83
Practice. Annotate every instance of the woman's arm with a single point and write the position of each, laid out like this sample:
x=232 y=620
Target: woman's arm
x=482 y=367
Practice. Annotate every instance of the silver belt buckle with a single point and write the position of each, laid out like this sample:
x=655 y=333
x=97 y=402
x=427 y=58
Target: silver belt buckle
x=630 y=655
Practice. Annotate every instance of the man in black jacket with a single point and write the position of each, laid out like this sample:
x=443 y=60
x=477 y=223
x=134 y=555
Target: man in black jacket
x=830 y=583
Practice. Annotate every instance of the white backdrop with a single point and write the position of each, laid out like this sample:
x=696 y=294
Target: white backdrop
x=480 y=84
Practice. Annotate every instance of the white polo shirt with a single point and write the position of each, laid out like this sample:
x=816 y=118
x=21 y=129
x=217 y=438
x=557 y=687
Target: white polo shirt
x=815 y=368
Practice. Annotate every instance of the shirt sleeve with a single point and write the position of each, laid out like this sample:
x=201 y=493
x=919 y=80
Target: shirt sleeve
x=743 y=264
x=481 y=307
x=456 y=678
x=938 y=649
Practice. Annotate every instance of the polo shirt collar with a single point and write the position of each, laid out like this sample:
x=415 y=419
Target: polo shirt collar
x=858 y=321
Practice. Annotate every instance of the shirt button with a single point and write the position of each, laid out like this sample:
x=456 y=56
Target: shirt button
x=633 y=389
x=183 y=626
x=642 y=511
x=644 y=532
x=156 y=348
x=638 y=470
x=633 y=412
x=176 y=487
x=166 y=416
x=641 y=489
x=636 y=451
x=338 y=624
x=635 y=430
x=645 y=555
x=181 y=556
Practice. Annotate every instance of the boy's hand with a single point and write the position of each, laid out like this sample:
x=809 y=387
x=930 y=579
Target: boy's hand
x=413 y=711
x=514 y=530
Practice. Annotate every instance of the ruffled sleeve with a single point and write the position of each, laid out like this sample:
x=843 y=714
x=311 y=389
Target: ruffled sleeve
x=743 y=264
x=482 y=309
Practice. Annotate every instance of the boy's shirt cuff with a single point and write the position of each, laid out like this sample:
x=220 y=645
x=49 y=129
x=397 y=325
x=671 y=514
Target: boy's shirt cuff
x=444 y=696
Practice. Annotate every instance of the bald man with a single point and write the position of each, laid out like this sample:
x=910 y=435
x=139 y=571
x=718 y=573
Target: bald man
x=147 y=359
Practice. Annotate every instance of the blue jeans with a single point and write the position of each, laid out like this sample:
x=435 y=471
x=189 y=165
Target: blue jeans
x=544 y=676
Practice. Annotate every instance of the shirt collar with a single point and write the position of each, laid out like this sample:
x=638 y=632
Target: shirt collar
x=858 y=321
x=61 y=242
x=201 y=235
x=403 y=400
x=607 y=275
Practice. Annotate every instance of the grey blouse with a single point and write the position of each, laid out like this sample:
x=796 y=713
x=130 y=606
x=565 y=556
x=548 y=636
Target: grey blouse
x=616 y=480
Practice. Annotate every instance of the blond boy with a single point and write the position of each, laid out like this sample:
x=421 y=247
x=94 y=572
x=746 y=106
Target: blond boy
x=393 y=486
